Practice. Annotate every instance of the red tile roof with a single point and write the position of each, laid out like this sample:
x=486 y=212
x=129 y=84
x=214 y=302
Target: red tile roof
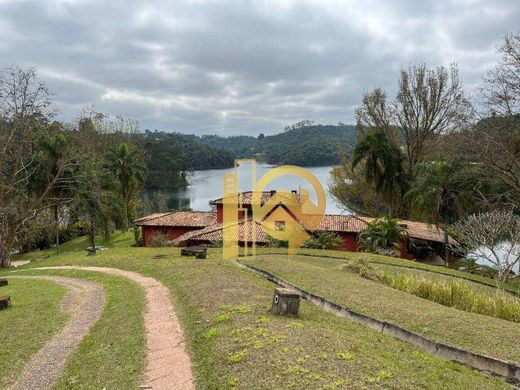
x=247 y=198
x=215 y=233
x=342 y=223
x=335 y=223
x=151 y=216
x=179 y=218
x=425 y=231
x=330 y=222
x=355 y=224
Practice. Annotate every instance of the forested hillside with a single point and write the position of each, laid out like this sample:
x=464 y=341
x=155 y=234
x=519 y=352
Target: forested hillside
x=305 y=146
x=171 y=156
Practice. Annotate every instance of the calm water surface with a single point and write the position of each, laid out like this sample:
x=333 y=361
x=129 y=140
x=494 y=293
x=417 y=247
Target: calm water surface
x=207 y=185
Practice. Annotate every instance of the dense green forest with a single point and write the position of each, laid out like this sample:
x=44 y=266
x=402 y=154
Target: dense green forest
x=305 y=145
x=171 y=156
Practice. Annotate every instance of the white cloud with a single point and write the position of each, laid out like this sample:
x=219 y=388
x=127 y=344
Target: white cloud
x=242 y=66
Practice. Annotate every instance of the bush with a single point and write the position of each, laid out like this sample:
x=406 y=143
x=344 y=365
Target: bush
x=381 y=236
x=159 y=240
x=454 y=294
x=363 y=268
x=274 y=243
x=323 y=240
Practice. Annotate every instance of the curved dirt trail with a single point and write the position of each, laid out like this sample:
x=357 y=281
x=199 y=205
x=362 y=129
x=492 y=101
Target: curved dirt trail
x=168 y=364
x=84 y=301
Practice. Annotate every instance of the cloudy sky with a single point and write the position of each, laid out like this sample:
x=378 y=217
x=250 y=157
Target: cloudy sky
x=242 y=67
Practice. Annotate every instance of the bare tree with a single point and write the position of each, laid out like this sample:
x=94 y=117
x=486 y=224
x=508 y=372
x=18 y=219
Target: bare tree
x=502 y=83
x=374 y=113
x=495 y=237
x=494 y=142
x=24 y=115
x=429 y=103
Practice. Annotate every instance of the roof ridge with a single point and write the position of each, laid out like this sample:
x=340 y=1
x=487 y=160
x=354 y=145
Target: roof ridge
x=160 y=215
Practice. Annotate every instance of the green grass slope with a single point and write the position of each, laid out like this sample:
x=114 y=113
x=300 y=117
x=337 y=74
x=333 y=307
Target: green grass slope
x=482 y=334
x=34 y=318
x=235 y=342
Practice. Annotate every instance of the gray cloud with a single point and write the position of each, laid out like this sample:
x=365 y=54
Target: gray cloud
x=242 y=67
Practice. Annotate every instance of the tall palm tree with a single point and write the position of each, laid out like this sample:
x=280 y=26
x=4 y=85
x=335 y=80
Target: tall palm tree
x=383 y=165
x=128 y=166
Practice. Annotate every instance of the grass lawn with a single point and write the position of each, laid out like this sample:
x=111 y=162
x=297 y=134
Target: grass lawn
x=478 y=333
x=332 y=258
x=235 y=343
x=34 y=317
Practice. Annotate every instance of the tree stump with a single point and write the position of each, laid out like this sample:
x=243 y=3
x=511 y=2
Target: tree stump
x=3 y=282
x=286 y=302
x=91 y=252
x=5 y=302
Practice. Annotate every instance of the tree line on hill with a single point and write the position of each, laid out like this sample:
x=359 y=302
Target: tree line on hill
x=172 y=156
x=304 y=144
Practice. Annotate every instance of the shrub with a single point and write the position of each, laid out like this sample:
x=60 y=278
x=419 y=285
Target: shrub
x=159 y=240
x=363 y=268
x=454 y=294
x=381 y=236
x=274 y=243
x=138 y=237
x=323 y=240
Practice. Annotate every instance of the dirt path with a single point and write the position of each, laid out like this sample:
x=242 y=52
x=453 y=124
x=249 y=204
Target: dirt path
x=168 y=365
x=84 y=301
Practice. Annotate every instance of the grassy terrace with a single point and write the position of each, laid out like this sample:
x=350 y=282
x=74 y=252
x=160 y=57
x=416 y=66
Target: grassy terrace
x=482 y=334
x=332 y=258
x=235 y=342
x=34 y=317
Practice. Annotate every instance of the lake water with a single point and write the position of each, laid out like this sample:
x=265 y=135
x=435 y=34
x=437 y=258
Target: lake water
x=207 y=185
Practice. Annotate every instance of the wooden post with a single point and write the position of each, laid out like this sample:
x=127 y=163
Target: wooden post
x=3 y=282
x=5 y=302
x=286 y=302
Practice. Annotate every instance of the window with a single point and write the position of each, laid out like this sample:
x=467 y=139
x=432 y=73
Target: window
x=279 y=226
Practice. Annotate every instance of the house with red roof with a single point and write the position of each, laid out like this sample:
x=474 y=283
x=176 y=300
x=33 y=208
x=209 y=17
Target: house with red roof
x=205 y=228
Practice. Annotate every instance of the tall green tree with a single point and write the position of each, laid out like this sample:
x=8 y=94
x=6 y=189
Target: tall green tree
x=383 y=167
x=127 y=164
x=24 y=115
x=95 y=200
x=54 y=148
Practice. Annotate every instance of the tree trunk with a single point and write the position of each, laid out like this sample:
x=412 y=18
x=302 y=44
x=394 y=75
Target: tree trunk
x=125 y=220
x=446 y=247
x=5 y=256
x=92 y=238
x=57 y=229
